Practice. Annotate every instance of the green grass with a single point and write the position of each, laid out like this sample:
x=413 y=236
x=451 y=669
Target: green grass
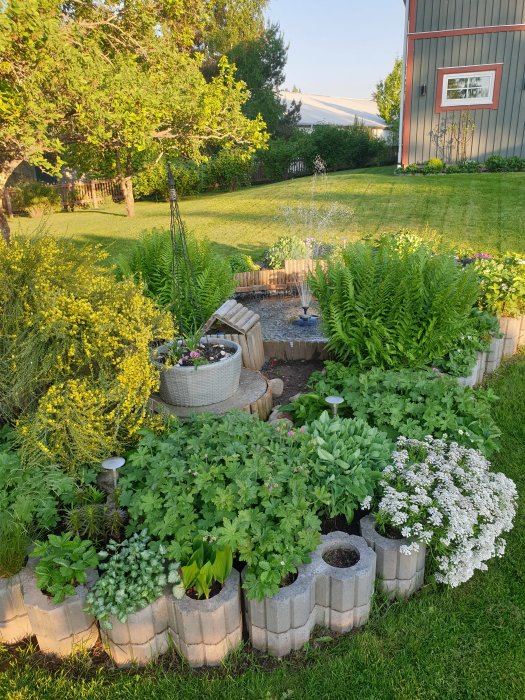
x=462 y=644
x=484 y=211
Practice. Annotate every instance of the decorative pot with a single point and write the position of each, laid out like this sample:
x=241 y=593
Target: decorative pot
x=400 y=575
x=205 y=631
x=64 y=628
x=322 y=594
x=141 y=638
x=14 y=622
x=205 y=384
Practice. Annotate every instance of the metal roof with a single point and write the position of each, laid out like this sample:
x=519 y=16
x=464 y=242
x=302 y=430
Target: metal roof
x=339 y=111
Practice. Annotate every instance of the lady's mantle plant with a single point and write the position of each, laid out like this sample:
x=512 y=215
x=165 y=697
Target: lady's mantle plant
x=135 y=575
x=446 y=496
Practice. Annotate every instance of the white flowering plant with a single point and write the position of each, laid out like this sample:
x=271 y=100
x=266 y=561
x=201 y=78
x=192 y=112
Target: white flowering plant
x=446 y=496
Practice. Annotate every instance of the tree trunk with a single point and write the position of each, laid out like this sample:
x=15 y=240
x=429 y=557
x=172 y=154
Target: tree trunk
x=126 y=184
x=5 y=171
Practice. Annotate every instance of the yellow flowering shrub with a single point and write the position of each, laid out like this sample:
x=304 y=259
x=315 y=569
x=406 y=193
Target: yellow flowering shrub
x=75 y=374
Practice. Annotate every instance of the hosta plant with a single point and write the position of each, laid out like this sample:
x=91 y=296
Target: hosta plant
x=348 y=460
x=63 y=564
x=208 y=564
x=447 y=497
x=413 y=403
x=233 y=478
x=135 y=573
x=392 y=306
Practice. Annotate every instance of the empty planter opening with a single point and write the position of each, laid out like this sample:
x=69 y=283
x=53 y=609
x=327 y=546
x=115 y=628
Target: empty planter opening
x=342 y=557
x=289 y=579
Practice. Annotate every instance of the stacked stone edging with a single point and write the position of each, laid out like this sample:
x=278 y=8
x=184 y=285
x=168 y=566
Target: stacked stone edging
x=400 y=575
x=64 y=628
x=337 y=598
x=205 y=631
x=14 y=621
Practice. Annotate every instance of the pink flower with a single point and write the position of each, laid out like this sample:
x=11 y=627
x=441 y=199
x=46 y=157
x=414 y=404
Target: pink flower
x=194 y=354
x=291 y=433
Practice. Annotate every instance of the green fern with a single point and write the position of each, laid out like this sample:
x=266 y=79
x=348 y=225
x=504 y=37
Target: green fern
x=394 y=306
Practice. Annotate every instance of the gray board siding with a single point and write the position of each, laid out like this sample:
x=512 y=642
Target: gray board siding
x=434 y=15
x=500 y=131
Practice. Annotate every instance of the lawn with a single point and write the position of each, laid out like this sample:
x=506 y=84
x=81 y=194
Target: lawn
x=462 y=644
x=483 y=211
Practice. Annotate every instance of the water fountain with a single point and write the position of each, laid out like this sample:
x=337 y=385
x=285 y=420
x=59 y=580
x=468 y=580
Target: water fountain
x=305 y=296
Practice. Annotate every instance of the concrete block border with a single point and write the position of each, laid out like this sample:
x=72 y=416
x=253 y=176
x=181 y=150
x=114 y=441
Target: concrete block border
x=400 y=575
x=337 y=598
x=142 y=637
x=14 y=621
x=205 y=631
x=64 y=628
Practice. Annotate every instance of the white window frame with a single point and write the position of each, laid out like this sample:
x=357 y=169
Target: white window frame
x=446 y=102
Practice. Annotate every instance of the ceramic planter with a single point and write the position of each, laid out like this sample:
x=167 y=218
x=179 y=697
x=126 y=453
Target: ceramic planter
x=205 y=631
x=14 y=622
x=141 y=638
x=203 y=385
x=337 y=598
x=64 y=628
x=400 y=575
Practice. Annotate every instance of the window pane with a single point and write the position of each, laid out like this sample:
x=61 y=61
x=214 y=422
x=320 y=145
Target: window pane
x=456 y=94
x=475 y=81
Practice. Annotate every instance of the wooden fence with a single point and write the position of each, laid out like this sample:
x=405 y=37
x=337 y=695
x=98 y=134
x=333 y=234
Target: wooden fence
x=275 y=280
x=77 y=193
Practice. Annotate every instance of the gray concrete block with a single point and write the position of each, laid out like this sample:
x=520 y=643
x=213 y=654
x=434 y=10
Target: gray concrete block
x=511 y=328
x=205 y=631
x=400 y=575
x=64 y=628
x=321 y=595
x=14 y=621
x=494 y=355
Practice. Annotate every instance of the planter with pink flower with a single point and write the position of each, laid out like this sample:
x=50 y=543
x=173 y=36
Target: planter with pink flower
x=198 y=373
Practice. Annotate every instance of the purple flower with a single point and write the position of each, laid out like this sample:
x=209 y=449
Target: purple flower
x=194 y=354
x=483 y=256
x=290 y=433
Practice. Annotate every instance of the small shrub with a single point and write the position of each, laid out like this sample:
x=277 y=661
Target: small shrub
x=496 y=164
x=406 y=402
x=153 y=182
x=516 y=164
x=447 y=497
x=242 y=263
x=229 y=169
x=469 y=166
x=394 y=306
x=434 y=165
x=63 y=564
x=285 y=248
x=502 y=281
x=37 y=198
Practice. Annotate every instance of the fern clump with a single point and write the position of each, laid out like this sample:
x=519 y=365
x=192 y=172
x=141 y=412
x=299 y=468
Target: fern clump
x=392 y=306
x=151 y=262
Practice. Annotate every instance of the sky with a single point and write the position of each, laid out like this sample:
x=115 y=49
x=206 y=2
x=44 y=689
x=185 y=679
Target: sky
x=339 y=48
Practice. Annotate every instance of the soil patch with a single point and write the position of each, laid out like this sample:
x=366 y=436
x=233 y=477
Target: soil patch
x=289 y=579
x=294 y=373
x=341 y=558
x=215 y=589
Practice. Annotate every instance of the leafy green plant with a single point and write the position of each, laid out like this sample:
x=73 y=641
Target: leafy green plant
x=413 y=403
x=135 y=573
x=394 y=306
x=434 y=165
x=63 y=564
x=151 y=262
x=476 y=337
x=14 y=546
x=37 y=198
x=350 y=458
x=233 y=478
x=242 y=263
x=502 y=280
x=207 y=564
x=284 y=248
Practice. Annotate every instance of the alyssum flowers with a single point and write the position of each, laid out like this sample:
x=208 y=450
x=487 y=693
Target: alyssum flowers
x=446 y=496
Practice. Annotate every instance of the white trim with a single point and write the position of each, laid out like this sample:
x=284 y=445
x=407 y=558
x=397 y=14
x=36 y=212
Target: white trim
x=451 y=102
x=403 y=86
x=502 y=27
x=472 y=65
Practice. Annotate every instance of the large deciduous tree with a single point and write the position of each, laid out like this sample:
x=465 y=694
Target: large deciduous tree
x=105 y=78
x=387 y=96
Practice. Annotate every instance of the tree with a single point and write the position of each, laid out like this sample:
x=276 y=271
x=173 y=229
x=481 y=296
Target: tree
x=387 y=96
x=260 y=64
x=103 y=79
